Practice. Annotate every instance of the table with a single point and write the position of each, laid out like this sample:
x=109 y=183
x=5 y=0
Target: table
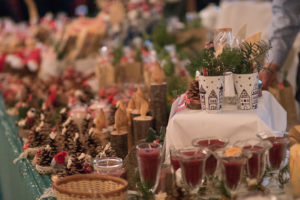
x=17 y=181
x=185 y=125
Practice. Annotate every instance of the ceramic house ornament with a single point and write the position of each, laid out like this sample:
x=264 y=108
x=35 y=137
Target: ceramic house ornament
x=211 y=89
x=247 y=90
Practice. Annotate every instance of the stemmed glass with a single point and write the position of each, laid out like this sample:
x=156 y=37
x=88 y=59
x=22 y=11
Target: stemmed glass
x=175 y=165
x=256 y=164
x=276 y=158
x=192 y=163
x=149 y=163
x=233 y=167
x=213 y=144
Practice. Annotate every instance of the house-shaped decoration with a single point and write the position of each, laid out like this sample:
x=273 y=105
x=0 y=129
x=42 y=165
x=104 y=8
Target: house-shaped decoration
x=213 y=101
x=221 y=96
x=254 y=97
x=202 y=97
x=245 y=100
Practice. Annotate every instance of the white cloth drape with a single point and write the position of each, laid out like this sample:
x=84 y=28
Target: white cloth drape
x=230 y=123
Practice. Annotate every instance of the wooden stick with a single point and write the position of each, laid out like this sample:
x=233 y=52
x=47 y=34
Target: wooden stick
x=141 y=126
x=158 y=96
x=119 y=142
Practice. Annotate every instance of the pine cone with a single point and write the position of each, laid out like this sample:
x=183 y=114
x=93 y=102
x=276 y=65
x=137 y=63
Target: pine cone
x=45 y=157
x=71 y=129
x=77 y=167
x=63 y=116
x=77 y=149
x=53 y=145
x=39 y=135
x=92 y=143
x=86 y=124
x=193 y=92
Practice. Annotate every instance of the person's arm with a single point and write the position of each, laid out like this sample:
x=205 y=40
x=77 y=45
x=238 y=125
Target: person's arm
x=284 y=29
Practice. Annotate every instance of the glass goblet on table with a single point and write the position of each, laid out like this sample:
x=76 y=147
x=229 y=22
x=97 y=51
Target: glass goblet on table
x=149 y=164
x=276 y=157
x=192 y=164
x=175 y=165
x=256 y=164
x=213 y=144
x=233 y=168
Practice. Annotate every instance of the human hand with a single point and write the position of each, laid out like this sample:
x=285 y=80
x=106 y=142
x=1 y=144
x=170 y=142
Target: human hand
x=267 y=76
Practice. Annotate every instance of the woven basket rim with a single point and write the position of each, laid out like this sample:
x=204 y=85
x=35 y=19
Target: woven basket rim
x=79 y=177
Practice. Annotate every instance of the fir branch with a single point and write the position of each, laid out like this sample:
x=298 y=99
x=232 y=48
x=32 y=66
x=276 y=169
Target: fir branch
x=151 y=135
x=161 y=37
x=118 y=54
x=143 y=189
x=230 y=59
x=206 y=59
x=253 y=57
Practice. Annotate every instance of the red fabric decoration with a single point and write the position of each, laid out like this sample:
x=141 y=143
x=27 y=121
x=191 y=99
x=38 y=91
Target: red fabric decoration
x=25 y=146
x=60 y=157
x=102 y=93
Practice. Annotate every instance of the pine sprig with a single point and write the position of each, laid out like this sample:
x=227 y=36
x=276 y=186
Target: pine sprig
x=143 y=189
x=253 y=55
x=230 y=58
x=206 y=59
x=247 y=59
x=118 y=54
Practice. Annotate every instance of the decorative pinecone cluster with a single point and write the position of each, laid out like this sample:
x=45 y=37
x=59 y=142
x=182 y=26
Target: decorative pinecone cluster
x=76 y=148
x=39 y=135
x=106 y=151
x=45 y=157
x=93 y=143
x=77 y=165
x=69 y=130
x=193 y=92
x=63 y=116
x=86 y=124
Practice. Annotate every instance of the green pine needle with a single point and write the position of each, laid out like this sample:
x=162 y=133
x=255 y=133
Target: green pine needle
x=151 y=135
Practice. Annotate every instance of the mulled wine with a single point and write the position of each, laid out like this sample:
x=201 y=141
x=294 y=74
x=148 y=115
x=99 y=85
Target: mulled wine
x=192 y=163
x=213 y=145
x=192 y=170
x=255 y=164
x=233 y=171
x=175 y=163
x=277 y=152
x=149 y=158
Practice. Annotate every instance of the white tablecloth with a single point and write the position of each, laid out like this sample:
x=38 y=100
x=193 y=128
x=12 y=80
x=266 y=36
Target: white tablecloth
x=185 y=125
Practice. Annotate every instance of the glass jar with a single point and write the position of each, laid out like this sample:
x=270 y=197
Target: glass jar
x=111 y=166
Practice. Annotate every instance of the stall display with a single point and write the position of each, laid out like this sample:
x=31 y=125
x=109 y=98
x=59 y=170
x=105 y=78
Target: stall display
x=81 y=96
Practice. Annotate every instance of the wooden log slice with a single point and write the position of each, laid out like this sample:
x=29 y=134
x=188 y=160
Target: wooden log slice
x=141 y=126
x=158 y=96
x=119 y=142
x=131 y=136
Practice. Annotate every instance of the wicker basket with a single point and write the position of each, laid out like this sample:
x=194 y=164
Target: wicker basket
x=90 y=187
